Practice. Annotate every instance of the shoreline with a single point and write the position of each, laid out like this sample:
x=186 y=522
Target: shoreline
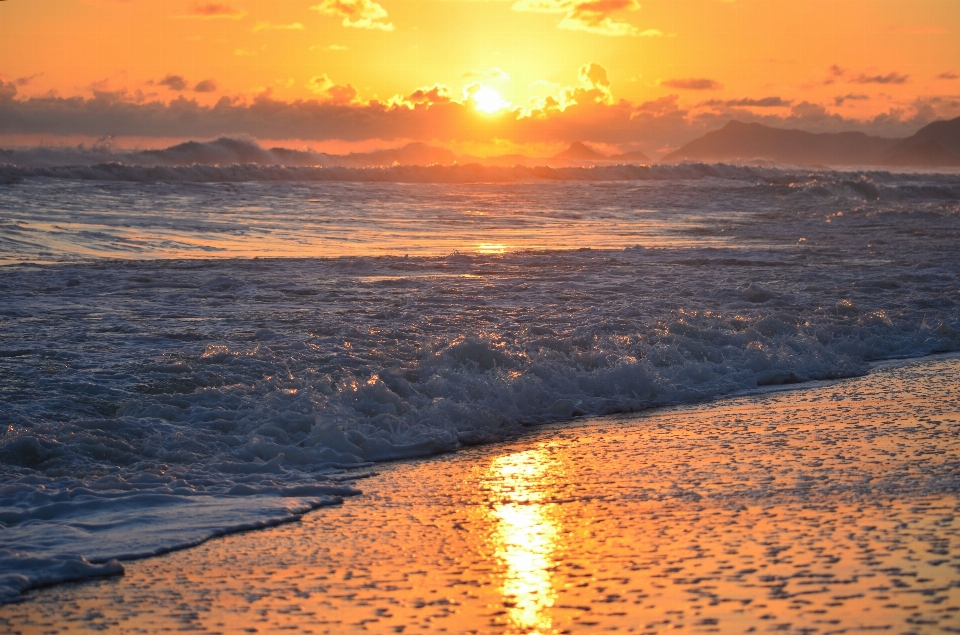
x=114 y=566
x=531 y=484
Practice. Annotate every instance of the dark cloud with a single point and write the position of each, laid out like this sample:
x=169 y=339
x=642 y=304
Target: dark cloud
x=206 y=86
x=693 y=83
x=766 y=102
x=26 y=81
x=838 y=101
x=889 y=78
x=948 y=75
x=430 y=95
x=838 y=73
x=174 y=82
x=8 y=90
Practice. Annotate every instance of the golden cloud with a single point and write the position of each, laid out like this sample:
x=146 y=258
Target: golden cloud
x=592 y=16
x=268 y=26
x=331 y=93
x=358 y=14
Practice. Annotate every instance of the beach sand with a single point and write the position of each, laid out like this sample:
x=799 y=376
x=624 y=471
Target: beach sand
x=832 y=508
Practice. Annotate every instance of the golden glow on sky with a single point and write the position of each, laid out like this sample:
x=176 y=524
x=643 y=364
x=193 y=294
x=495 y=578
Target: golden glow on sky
x=488 y=100
x=811 y=63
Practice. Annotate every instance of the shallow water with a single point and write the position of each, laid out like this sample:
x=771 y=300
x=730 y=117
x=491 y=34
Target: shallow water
x=821 y=510
x=238 y=390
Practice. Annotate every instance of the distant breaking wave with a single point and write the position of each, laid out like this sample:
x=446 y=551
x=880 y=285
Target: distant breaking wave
x=869 y=185
x=865 y=185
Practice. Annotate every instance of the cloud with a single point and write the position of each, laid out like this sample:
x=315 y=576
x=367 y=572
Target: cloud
x=173 y=82
x=8 y=90
x=332 y=47
x=889 y=78
x=318 y=84
x=213 y=11
x=205 y=86
x=594 y=88
x=586 y=112
x=331 y=93
x=495 y=74
x=593 y=75
x=838 y=73
x=592 y=16
x=269 y=26
x=766 y=102
x=693 y=83
x=651 y=33
x=26 y=81
x=543 y=6
x=840 y=99
x=948 y=75
x=358 y=14
x=427 y=96
x=244 y=52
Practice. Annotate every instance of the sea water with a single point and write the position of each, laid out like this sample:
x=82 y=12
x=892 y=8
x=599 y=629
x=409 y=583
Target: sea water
x=187 y=351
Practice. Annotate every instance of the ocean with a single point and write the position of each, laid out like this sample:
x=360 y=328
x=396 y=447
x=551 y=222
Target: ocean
x=188 y=351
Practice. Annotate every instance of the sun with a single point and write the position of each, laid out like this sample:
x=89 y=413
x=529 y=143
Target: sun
x=488 y=100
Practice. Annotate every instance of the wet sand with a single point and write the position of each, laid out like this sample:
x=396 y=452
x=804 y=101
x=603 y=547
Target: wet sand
x=827 y=509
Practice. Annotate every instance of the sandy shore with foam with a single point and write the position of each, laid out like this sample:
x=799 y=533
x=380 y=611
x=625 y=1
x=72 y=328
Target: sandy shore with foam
x=827 y=509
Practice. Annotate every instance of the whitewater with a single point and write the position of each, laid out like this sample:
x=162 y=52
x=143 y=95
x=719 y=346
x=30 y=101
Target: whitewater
x=191 y=350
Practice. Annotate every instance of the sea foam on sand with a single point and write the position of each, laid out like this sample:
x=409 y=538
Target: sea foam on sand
x=829 y=508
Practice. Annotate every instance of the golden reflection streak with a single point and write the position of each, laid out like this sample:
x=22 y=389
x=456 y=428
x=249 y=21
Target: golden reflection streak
x=525 y=537
x=491 y=248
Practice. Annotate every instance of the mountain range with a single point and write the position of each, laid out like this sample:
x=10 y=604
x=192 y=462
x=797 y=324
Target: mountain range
x=936 y=144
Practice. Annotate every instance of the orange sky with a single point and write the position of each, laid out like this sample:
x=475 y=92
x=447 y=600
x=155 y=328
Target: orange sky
x=883 y=66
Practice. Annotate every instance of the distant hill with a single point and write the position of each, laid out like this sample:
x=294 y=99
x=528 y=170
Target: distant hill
x=410 y=154
x=751 y=141
x=630 y=157
x=937 y=143
x=229 y=151
x=579 y=151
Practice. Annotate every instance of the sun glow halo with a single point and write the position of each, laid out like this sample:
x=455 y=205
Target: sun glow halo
x=489 y=100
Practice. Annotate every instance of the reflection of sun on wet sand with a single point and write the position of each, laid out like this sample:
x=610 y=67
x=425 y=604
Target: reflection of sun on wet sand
x=525 y=535
x=828 y=509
